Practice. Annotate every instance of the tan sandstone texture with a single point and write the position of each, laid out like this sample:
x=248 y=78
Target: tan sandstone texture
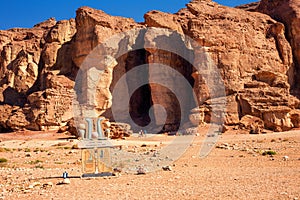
x=257 y=56
x=287 y=12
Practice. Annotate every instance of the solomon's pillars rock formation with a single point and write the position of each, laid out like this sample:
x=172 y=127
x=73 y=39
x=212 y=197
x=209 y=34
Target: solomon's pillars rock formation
x=258 y=57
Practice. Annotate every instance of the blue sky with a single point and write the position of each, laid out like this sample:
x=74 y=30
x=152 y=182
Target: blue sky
x=26 y=13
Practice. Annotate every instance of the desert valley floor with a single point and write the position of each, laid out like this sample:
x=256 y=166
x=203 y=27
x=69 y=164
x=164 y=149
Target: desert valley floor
x=237 y=168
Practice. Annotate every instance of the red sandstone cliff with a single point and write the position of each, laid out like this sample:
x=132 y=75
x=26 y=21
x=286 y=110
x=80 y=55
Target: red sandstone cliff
x=258 y=58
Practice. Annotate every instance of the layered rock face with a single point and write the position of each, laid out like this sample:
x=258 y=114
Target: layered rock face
x=287 y=12
x=38 y=68
x=254 y=58
x=36 y=93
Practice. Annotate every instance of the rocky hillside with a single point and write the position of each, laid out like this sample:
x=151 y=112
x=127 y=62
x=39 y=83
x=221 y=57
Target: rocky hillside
x=257 y=53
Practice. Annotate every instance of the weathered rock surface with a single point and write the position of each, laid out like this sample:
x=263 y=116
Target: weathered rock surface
x=31 y=62
x=257 y=64
x=249 y=7
x=252 y=54
x=93 y=27
x=254 y=124
x=287 y=12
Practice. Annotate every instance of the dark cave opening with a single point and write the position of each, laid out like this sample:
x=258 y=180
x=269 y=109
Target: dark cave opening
x=140 y=100
x=144 y=96
x=139 y=106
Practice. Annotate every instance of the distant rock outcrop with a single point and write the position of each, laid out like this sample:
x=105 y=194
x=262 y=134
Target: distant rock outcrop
x=257 y=63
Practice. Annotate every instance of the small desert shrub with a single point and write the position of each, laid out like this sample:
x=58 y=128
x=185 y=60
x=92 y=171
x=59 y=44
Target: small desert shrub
x=269 y=152
x=39 y=166
x=27 y=150
x=3 y=160
x=4 y=149
x=60 y=147
x=35 y=162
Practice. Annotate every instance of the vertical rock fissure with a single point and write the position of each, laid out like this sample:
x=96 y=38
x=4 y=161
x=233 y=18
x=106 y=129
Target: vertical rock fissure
x=287 y=13
x=179 y=104
x=140 y=101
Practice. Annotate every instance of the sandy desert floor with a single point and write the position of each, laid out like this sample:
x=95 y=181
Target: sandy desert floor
x=237 y=168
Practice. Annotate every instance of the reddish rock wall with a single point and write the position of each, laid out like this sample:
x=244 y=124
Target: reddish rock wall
x=38 y=66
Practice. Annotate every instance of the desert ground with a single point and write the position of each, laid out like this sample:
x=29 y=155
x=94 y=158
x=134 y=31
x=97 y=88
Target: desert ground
x=240 y=166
